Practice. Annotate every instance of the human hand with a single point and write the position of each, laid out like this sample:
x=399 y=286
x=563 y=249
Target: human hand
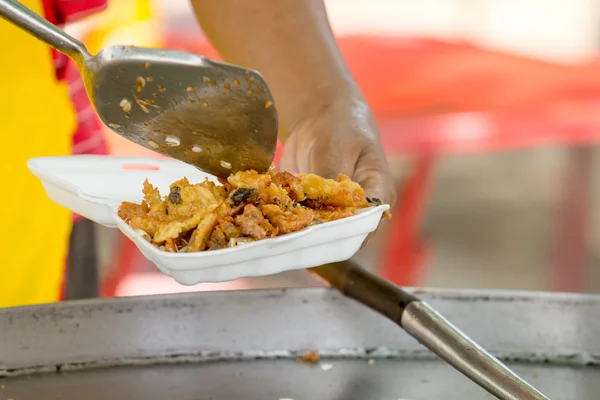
x=340 y=137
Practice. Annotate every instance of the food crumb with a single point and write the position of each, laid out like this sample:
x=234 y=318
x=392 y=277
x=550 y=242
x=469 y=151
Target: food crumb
x=140 y=83
x=110 y=124
x=311 y=357
x=209 y=80
x=225 y=164
x=143 y=104
x=268 y=104
x=326 y=367
x=2 y=387
x=190 y=89
x=162 y=89
x=150 y=78
x=250 y=79
x=147 y=65
x=371 y=362
x=227 y=86
x=125 y=105
x=172 y=141
x=236 y=83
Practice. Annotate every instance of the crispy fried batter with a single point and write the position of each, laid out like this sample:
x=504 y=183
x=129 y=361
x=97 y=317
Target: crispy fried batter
x=202 y=232
x=152 y=197
x=224 y=231
x=288 y=220
x=253 y=224
x=292 y=183
x=329 y=213
x=247 y=206
x=128 y=210
x=249 y=180
x=338 y=193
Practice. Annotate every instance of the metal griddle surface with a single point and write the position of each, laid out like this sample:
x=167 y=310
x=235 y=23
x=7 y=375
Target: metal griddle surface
x=242 y=345
x=263 y=380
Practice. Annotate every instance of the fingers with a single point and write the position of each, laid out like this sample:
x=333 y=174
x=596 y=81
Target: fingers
x=373 y=174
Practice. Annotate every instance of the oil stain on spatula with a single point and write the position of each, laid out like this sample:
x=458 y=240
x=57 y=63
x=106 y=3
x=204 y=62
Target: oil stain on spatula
x=216 y=116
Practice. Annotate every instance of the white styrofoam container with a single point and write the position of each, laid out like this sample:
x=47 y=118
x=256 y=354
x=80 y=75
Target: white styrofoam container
x=92 y=186
x=95 y=186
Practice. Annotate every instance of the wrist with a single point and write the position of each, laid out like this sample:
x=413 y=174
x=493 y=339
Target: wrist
x=339 y=95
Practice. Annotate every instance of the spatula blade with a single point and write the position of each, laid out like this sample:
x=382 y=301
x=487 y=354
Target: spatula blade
x=216 y=116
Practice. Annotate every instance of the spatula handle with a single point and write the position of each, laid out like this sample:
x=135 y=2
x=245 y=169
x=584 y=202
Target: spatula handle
x=15 y=12
x=426 y=325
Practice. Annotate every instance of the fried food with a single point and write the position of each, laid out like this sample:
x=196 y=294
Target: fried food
x=244 y=208
x=311 y=357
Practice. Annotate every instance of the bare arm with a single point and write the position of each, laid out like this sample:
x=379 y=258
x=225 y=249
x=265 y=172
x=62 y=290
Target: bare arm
x=289 y=41
x=331 y=128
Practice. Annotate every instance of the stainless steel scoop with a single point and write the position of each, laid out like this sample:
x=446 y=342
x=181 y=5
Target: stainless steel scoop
x=216 y=116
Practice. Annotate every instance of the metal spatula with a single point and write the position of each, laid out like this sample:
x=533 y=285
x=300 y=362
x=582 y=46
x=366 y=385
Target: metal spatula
x=216 y=116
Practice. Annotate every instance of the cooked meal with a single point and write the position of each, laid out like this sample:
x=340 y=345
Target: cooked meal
x=244 y=208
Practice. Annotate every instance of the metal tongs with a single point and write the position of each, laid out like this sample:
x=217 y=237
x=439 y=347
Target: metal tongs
x=430 y=328
x=216 y=116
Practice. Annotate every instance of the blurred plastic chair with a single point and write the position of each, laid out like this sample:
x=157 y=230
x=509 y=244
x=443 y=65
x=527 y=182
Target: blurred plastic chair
x=432 y=98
